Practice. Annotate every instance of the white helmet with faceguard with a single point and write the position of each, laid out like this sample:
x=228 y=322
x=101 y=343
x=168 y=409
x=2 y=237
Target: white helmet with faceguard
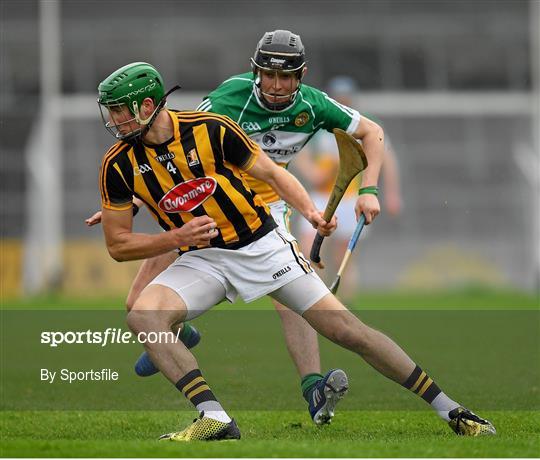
x=279 y=51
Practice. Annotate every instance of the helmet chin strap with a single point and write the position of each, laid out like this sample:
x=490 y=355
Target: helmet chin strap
x=147 y=123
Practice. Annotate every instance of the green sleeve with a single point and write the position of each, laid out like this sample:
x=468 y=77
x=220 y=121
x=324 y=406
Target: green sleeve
x=332 y=114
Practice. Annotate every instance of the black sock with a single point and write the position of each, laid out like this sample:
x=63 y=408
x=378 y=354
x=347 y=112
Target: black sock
x=421 y=384
x=195 y=388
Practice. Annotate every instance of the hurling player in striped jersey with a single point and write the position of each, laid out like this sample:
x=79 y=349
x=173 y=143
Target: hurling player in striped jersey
x=281 y=113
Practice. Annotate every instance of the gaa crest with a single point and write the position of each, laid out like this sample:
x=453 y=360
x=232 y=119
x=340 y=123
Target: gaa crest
x=301 y=119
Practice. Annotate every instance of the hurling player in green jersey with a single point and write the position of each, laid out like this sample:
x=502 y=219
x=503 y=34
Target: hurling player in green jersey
x=281 y=114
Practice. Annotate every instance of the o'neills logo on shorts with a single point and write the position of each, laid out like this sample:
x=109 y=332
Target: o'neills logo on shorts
x=281 y=272
x=187 y=196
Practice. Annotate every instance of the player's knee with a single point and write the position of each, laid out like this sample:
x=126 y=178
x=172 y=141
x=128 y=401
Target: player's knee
x=139 y=303
x=142 y=317
x=138 y=321
x=148 y=320
x=156 y=308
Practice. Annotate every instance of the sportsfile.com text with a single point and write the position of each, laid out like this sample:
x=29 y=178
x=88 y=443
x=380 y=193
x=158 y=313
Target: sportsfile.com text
x=109 y=336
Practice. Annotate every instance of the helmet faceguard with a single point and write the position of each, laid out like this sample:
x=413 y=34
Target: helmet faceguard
x=279 y=51
x=128 y=87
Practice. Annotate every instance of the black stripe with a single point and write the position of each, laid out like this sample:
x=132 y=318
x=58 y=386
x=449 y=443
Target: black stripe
x=238 y=185
x=152 y=183
x=109 y=154
x=127 y=170
x=107 y=159
x=412 y=378
x=186 y=379
x=235 y=217
x=281 y=236
x=194 y=387
x=301 y=256
x=207 y=116
x=424 y=380
x=431 y=393
x=164 y=225
x=203 y=396
x=295 y=256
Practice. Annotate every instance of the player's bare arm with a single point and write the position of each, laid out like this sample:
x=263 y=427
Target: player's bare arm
x=96 y=217
x=372 y=137
x=124 y=245
x=291 y=190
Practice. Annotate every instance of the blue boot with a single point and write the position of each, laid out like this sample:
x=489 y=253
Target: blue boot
x=326 y=394
x=189 y=336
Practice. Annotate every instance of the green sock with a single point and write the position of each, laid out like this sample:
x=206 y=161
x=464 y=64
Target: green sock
x=307 y=384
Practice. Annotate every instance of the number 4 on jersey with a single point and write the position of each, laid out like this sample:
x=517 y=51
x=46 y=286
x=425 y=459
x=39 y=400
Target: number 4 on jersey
x=171 y=168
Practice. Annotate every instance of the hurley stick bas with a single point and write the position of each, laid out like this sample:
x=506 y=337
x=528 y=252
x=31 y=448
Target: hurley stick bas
x=352 y=160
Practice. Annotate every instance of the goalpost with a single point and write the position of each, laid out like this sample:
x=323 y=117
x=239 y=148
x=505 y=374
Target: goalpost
x=44 y=234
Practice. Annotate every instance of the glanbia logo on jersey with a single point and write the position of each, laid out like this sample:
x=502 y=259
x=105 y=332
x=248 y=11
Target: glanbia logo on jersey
x=187 y=196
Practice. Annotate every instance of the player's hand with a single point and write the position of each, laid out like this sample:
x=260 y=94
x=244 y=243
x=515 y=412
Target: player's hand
x=94 y=220
x=367 y=204
x=197 y=232
x=323 y=227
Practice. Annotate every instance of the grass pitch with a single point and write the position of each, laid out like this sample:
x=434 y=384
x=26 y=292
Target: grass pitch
x=264 y=434
x=482 y=348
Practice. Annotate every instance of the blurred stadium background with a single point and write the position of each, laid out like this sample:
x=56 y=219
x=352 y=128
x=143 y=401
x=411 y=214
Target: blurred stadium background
x=456 y=84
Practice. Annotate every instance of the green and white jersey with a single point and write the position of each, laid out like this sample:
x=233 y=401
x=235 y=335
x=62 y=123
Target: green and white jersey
x=281 y=134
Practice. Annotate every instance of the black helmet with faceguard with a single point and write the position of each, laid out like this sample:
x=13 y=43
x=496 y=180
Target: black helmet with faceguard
x=279 y=51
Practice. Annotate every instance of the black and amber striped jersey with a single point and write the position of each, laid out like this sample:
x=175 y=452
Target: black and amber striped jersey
x=195 y=173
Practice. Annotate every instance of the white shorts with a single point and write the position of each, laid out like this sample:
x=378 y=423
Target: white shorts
x=205 y=277
x=281 y=212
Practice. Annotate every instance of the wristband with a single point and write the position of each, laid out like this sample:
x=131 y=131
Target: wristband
x=372 y=189
x=135 y=209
